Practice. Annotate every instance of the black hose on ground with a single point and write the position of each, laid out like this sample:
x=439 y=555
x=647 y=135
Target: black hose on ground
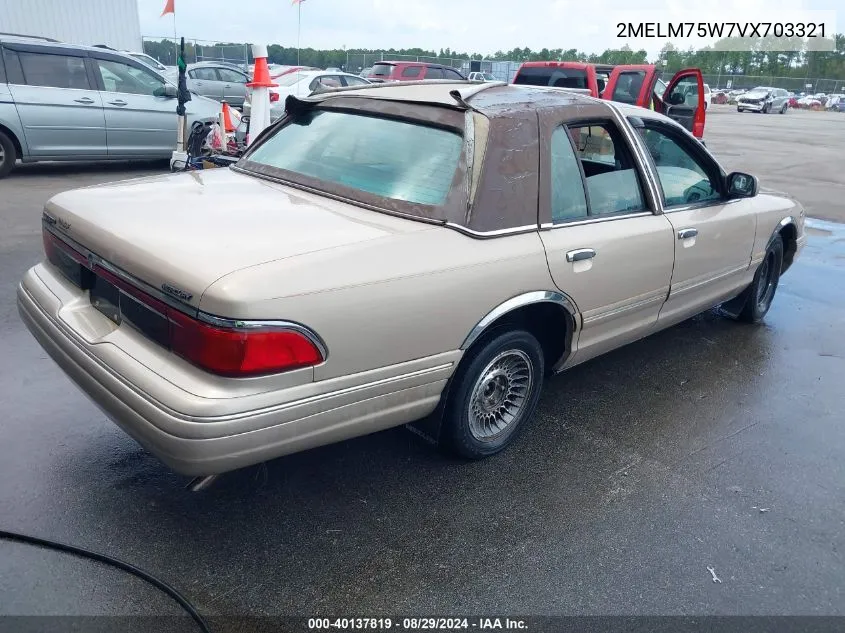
x=114 y=562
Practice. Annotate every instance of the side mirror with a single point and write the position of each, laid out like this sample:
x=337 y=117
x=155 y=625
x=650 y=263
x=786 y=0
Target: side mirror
x=167 y=90
x=741 y=185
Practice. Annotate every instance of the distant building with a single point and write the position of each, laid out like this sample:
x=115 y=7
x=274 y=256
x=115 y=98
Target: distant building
x=114 y=23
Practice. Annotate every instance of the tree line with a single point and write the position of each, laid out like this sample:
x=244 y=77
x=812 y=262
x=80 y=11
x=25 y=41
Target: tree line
x=760 y=60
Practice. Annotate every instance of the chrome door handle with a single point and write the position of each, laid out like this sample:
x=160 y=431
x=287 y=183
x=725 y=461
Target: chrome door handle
x=687 y=233
x=84 y=100
x=579 y=254
x=119 y=102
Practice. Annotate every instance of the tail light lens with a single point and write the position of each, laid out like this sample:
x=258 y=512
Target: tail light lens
x=242 y=351
x=274 y=96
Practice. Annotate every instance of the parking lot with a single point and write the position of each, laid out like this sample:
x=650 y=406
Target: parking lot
x=711 y=444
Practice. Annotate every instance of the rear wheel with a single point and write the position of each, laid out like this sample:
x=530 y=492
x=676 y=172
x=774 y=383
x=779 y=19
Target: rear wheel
x=496 y=390
x=8 y=155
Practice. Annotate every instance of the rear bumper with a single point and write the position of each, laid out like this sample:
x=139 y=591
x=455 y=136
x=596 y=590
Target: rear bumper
x=195 y=445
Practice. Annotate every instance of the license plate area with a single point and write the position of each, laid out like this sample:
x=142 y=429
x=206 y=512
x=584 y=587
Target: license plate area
x=105 y=297
x=120 y=308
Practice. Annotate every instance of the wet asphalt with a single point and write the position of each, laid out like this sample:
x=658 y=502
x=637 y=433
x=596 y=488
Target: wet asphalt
x=711 y=444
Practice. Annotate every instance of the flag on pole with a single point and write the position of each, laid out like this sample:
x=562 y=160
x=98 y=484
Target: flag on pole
x=297 y=1
x=169 y=8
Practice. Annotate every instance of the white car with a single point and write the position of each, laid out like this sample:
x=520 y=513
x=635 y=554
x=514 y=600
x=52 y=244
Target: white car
x=477 y=76
x=302 y=84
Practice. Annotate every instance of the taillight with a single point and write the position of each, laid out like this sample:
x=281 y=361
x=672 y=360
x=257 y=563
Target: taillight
x=240 y=351
x=244 y=349
x=274 y=96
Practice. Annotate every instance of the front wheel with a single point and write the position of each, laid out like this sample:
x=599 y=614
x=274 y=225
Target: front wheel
x=765 y=109
x=762 y=290
x=784 y=108
x=496 y=390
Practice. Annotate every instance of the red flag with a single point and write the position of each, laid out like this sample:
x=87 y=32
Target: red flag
x=169 y=8
x=297 y=1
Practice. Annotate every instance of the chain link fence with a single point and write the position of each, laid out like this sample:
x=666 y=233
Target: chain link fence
x=810 y=85
x=165 y=50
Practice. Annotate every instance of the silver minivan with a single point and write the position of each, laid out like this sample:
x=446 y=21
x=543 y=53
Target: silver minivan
x=71 y=103
x=217 y=81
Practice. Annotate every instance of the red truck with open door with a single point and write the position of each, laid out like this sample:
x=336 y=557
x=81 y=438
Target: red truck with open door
x=682 y=99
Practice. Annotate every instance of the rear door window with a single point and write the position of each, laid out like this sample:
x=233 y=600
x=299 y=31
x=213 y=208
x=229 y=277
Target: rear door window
x=569 y=202
x=613 y=182
x=204 y=74
x=54 y=71
x=432 y=72
x=411 y=71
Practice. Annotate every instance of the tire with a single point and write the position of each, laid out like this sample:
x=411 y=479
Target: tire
x=765 y=109
x=8 y=155
x=761 y=292
x=740 y=110
x=784 y=108
x=508 y=365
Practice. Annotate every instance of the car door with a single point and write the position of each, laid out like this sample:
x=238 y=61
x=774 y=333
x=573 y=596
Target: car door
x=204 y=81
x=140 y=121
x=607 y=246
x=60 y=109
x=713 y=236
x=683 y=100
x=233 y=86
x=631 y=83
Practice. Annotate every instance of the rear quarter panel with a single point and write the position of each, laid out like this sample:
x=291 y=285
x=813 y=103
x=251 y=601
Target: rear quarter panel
x=377 y=304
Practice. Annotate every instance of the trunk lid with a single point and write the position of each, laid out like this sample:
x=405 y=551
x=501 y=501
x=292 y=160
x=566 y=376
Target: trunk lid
x=181 y=232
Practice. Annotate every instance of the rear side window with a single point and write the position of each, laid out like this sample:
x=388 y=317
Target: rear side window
x=551 y=76
x=411 y=71
x=628 y=86
x=381 y=70
x=54 y=71
x=613 y=184
x=384 y=157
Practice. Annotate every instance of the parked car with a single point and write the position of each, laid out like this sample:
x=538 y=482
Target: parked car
x=365 y=71
x=719 y=97
x=479 y=76
x=302 y=84
x=315 y=311
x=70 y=103
x=633 y=84
x=411 y=71
x=152 y=62
x=764 y=99
x=216 y=80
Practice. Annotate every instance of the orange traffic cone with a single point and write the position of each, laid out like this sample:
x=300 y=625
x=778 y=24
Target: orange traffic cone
x=261 y=74
x=227 y=119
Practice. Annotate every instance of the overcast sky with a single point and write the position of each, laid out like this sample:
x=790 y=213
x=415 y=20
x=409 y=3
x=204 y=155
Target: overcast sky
x=483 y=26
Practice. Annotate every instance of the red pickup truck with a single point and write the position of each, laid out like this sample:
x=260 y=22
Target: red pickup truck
x=682 y=99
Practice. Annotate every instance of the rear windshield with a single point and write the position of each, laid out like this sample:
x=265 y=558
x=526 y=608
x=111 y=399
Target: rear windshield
x=381 y=70
x=551 y=76
x=385 y=157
